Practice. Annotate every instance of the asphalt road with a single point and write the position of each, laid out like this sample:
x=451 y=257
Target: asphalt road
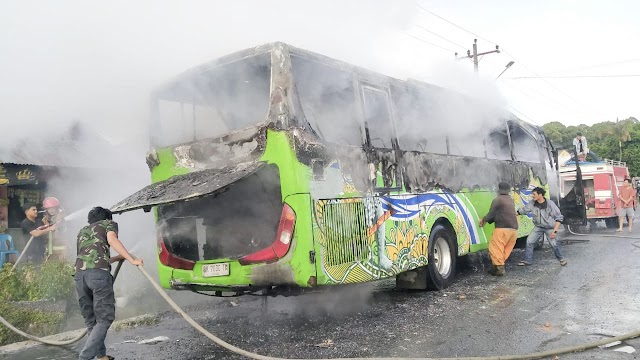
x=531 y=309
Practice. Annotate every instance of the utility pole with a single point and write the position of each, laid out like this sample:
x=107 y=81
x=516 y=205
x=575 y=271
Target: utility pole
x=474 y=56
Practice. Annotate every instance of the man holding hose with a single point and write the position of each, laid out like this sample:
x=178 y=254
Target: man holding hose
x=34 y=227
x=93 y=279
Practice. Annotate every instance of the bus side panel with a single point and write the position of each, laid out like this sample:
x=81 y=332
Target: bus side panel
x=345 y=235
x=303 y=249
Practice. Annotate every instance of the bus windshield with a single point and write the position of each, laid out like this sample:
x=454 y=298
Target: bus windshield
x=212 y=101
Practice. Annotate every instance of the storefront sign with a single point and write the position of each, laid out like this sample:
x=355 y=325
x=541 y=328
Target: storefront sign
x=11 y=174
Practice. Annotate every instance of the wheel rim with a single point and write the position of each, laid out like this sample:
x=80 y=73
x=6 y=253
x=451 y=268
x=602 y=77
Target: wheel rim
x=442 y=256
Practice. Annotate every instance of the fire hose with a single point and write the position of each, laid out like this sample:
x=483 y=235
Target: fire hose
x=237 y=350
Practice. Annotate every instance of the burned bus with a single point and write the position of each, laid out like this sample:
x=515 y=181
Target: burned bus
x=277 y=169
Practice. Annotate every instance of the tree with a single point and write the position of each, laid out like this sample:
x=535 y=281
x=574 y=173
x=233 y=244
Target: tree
x=607 y=139
x=622 y=132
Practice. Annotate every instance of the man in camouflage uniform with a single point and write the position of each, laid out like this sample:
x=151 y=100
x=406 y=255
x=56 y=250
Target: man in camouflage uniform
x=93 y=279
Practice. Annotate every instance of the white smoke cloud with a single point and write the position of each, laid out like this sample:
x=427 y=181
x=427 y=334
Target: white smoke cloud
x=96 y=63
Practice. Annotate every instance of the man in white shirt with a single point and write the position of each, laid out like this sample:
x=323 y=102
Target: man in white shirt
x=580 y=143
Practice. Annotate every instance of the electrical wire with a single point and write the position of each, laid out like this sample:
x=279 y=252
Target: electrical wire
x=456 y=25
x=441 y=37
x=573 y=76
x=582 y=106
x=523 y=115
x=430 y=43
x=511 y=55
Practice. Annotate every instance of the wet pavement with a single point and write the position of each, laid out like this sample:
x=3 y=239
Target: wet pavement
x=536 y=308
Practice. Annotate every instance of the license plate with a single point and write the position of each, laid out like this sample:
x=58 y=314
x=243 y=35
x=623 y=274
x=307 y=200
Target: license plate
x=210 y=270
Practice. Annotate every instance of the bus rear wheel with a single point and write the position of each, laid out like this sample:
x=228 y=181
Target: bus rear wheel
x=442 y=258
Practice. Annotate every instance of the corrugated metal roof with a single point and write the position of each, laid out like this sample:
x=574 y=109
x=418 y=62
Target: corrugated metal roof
x=83 y=149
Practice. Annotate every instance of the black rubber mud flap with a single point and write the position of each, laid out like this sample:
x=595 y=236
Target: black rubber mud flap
x=572 y=205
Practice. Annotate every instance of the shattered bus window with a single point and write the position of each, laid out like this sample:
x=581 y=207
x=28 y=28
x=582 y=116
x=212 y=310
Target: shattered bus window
x=212 y=101
x=327 y=97
x=467 y=145
x=377 y=117
x=416 y=122
x=497 y=145
x=525 y=146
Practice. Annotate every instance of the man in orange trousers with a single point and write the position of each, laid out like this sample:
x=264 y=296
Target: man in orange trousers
x=503 y=214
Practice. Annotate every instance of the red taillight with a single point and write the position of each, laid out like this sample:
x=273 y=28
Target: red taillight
x=168 y=259
x=280 y=245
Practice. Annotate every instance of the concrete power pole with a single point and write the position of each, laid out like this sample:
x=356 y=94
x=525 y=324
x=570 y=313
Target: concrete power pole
x=474 y=56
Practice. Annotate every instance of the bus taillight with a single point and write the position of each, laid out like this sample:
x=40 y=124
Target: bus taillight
x=168 y=259
x=281 y=245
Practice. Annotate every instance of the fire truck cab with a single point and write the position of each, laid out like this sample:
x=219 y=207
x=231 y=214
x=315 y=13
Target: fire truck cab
x=601 y=181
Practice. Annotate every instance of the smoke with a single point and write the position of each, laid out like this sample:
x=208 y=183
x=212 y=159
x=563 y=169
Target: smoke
x=96 y=64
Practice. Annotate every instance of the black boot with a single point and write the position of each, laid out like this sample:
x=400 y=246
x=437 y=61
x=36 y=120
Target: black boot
x=499 y=271
x=493 y=270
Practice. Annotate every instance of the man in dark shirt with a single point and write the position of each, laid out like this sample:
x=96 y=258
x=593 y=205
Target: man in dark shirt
x=33 y=227
x=503 y=214
x=94 y=283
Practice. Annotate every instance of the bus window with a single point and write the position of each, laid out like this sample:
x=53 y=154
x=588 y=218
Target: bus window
x=525 y=146
x=328 y=101
x=497 y=145
x=377 y=117
x=214 y=124
x=213 y=101
x=414 y=121
x=175 y=125
x=467 y=145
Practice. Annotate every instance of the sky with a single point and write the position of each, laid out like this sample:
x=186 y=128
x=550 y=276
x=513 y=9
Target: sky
x=97 y=62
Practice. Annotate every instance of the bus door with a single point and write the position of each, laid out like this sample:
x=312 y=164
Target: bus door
x=385 y=158
x=572 y=202
x=381 y=141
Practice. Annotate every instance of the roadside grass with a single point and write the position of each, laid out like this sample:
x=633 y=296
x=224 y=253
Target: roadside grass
x=28 y=296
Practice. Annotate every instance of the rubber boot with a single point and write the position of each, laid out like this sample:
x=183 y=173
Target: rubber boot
x=499 y=271
x=492 y=271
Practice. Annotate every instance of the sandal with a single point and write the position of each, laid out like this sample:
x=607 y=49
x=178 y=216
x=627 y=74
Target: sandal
x=523 y=263
x=563 y=262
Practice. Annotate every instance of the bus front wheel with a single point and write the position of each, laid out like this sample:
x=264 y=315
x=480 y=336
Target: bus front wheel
x=442 y=258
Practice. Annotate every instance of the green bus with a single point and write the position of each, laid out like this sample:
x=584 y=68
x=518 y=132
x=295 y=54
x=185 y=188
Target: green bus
x=276 y=169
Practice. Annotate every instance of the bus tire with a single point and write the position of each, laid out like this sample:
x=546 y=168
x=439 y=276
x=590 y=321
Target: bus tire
x=442 y=258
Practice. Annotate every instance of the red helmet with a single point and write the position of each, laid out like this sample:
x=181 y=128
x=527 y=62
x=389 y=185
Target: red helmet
x=50 y=202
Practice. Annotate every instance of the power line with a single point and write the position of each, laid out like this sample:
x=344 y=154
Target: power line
x=441 y=37
x=509 y=54
x=506 y=52
x=596 y=66
x=523 y=115
x=534 y=93
x=547 y=82
x=456 y=25
x=430 y=43
x=574 y=76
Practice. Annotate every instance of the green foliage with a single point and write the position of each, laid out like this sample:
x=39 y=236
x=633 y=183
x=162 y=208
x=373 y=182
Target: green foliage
x=611 y=140
x=34 y=322
x=51 y=281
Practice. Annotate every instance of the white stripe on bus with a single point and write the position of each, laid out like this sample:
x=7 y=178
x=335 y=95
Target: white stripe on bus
x=603 y=193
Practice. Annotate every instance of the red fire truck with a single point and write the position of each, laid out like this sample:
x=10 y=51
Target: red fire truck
x=601 y=181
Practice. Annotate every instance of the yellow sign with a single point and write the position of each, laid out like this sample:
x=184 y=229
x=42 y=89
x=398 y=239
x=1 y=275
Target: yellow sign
x=3 y=176
x=25 y=174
